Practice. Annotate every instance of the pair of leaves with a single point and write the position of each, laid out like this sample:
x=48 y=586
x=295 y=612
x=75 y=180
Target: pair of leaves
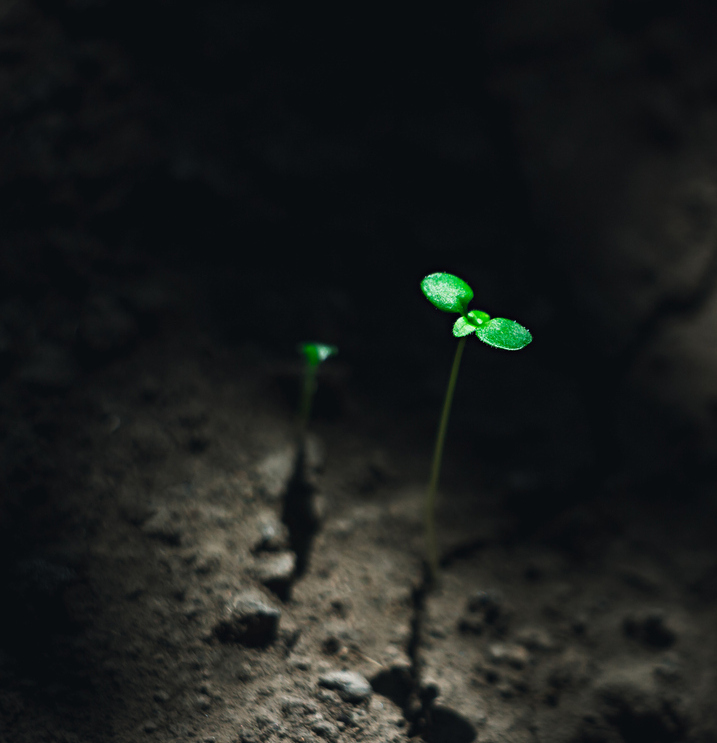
x=451 y=294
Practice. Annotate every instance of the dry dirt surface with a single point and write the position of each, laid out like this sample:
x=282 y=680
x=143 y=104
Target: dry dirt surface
x=189 y=578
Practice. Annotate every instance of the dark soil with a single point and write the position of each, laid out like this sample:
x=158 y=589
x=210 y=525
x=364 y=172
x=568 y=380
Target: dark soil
x=190 y=191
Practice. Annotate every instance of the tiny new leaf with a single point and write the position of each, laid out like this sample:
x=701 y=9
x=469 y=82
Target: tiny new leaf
x=447 y=292
x=468 y=324
x=461 y=327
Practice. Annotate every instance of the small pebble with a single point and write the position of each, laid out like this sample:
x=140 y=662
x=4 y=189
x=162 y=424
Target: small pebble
x=513 y=655
x=249 y=620
x=275 y=471
x=276 y=571
x=274 y=535
x=351 y=686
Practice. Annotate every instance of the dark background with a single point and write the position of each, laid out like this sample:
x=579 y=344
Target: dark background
x=281 y=173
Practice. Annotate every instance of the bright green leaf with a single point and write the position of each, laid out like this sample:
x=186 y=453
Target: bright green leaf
x=447 y=292
x=506 y=334
x=315 y=353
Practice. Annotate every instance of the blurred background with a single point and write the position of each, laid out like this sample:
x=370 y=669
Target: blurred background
x=284 y=172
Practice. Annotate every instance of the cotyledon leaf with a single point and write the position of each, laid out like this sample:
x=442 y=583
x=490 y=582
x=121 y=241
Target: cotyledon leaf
x=447 y=292
x=506 y=334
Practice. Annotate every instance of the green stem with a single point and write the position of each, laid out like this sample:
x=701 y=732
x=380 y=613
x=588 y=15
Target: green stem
x=430 y=512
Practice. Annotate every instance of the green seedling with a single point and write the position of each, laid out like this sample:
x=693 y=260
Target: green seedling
x=451 y=294
x=314 y=354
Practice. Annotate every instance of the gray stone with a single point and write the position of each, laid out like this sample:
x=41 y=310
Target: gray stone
x=351 y=686
x=275 y=471
x=507 y=653
x=249 y=619
x=276 y=571
x=272 y=535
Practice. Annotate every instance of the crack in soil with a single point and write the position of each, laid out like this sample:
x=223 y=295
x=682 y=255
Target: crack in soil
x=403 y=686
x=299 y=514
x=418 y=701
x=431 y=723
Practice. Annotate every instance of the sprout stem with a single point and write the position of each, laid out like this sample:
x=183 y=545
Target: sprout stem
x=430 y=513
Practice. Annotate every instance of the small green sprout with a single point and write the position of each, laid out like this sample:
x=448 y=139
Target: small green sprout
x=451 y=294
x=314 y=354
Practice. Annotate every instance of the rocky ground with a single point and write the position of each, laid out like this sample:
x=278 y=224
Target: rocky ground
x=170 y=575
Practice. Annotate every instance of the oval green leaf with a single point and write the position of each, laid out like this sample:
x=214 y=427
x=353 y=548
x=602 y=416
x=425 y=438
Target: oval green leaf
x=447 y=292
x=315 y=353
x=506 y=334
